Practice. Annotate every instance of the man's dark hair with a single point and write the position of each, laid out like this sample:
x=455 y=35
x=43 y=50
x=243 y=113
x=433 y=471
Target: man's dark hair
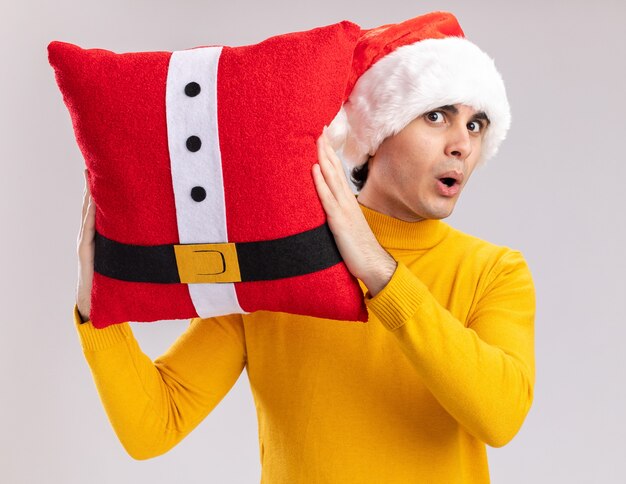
x=359 y=174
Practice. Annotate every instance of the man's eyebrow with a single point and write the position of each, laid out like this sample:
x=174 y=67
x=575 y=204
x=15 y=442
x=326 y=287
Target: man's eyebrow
x=482 y=116
x=448 y=107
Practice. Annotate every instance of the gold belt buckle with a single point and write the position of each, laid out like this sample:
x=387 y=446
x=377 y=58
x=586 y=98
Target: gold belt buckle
x=199 y=263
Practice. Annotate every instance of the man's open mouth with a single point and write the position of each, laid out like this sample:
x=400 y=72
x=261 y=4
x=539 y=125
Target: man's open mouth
x=448 y=181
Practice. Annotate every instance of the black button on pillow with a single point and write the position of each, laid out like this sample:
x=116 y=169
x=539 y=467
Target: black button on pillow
x=193 y=143
x=192 y=89
x=198 y=194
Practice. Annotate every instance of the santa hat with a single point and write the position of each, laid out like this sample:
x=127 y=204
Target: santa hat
x=401 y=71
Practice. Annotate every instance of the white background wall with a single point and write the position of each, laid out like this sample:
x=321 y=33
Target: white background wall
x=555 y=191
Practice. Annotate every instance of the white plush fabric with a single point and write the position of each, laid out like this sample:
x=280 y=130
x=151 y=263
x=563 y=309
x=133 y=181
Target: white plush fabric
x=198 y=222
x=412 y=80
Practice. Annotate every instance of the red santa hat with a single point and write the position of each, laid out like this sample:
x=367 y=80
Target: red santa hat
x=401 y=71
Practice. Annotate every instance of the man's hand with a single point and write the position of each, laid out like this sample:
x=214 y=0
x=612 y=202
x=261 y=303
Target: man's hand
x=363 y=255
x=85 y=248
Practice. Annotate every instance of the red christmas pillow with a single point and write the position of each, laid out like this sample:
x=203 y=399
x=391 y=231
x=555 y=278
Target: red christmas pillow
x=199 y=163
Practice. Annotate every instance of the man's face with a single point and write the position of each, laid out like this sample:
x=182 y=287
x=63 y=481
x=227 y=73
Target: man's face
x=420 y=172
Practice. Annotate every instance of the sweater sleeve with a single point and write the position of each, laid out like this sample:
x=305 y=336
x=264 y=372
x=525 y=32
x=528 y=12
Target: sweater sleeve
x=153 y=405
x=483 y=373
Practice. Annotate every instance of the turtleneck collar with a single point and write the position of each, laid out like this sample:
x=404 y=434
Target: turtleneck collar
x=393 y=233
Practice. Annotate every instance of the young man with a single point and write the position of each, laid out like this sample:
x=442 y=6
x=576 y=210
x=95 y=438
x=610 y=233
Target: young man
x=446 y=363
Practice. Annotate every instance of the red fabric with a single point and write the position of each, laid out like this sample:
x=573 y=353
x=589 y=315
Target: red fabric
x=274 y=150
x=374 y=44
x=273 y=100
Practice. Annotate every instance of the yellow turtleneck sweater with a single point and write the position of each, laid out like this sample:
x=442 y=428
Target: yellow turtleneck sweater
x=444 y=365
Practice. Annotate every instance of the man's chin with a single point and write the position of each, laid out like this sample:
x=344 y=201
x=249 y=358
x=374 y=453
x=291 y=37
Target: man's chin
x=440 y=212
x=440 y=217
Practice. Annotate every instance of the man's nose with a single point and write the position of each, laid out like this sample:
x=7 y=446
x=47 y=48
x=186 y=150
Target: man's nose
x=459 y=143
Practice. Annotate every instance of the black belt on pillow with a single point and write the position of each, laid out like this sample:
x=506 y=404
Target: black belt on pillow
x=295 y=255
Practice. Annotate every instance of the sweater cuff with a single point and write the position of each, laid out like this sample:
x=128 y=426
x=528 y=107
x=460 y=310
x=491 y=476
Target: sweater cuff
x=399 y=300
x=94 y=339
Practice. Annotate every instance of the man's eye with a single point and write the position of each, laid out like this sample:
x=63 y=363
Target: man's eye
x=474 y=126
x=435 y=117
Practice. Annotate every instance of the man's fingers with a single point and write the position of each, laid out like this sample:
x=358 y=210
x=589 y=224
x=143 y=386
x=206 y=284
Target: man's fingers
x=326 y=167
x=329 y=203
x=86 y=195
x=342 y=180
x=87 y=226
x=332 y=170
x=90 y=217
x=346 y=191
x=87 y=234
x=331 y=153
